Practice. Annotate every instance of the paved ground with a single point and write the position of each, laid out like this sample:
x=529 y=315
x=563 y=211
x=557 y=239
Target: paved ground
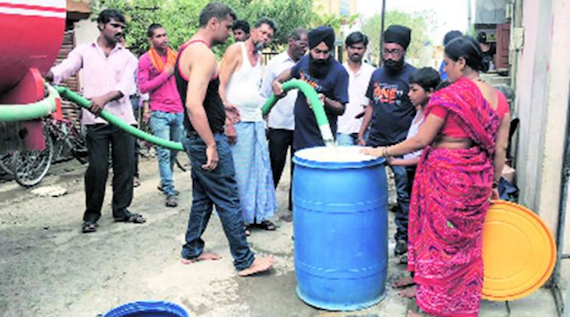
x=48 y=268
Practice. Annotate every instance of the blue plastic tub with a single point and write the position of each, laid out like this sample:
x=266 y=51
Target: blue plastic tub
x=147 y=309
x=340 y=201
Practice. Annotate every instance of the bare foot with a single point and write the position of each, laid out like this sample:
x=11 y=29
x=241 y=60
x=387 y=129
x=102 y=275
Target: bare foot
x=259 y=265
x=205 y=256
x=409 y=292
x=403 y=282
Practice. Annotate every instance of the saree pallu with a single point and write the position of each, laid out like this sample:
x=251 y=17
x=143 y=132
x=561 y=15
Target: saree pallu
x=450 y=199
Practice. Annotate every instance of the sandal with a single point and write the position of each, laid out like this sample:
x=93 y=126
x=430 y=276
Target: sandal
x=266 y=225
x=133 y=218
x=89 y=227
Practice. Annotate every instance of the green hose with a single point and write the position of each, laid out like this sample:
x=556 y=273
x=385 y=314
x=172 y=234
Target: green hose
x=316 y=105
x=305 y=88
x=31 y=111
x=73 y=97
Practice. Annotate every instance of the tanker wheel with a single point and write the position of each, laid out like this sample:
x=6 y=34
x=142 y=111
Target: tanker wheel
x=30 y=167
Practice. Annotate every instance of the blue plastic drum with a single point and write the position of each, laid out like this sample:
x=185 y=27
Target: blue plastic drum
x=340 y=200
x=147 y=309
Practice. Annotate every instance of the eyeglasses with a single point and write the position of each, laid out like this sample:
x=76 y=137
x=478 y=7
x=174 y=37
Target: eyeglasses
x=394 y=52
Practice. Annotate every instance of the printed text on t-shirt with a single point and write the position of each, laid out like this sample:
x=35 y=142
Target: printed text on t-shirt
x=387 y=93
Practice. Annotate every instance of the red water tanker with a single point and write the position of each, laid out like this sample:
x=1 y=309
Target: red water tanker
x=31 y=33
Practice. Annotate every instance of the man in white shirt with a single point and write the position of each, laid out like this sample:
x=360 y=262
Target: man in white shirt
x=281 y=120
x=359 y=77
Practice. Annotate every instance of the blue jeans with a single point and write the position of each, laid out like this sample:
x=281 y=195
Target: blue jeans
x=166 y=126
x=401 y=219
x=219 y=188
x=343 y=139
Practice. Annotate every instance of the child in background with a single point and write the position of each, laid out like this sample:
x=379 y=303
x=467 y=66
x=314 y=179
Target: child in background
x=423 y=83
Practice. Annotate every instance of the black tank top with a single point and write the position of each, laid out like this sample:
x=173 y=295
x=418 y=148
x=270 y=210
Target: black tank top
x=213 y=104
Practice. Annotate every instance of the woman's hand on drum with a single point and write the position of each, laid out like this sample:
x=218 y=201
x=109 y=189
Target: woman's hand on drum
x=372 y=151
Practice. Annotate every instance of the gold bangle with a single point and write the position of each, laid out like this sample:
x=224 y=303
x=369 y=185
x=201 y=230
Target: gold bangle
x=387 y=154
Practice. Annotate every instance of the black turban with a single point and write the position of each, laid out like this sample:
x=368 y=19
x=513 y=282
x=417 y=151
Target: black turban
x=398 y=34
x=321 y=34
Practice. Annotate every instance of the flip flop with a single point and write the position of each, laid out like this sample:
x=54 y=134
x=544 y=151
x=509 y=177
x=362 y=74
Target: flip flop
x=89 y=227
x=266 y=225
x=132 y=218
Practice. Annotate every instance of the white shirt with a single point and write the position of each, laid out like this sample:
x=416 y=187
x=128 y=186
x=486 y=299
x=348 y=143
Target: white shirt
x=357 y=100
x=281 y=115
x=414 y=127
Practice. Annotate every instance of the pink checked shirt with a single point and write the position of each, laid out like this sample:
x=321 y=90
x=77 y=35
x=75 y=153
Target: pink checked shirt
x=102 y=74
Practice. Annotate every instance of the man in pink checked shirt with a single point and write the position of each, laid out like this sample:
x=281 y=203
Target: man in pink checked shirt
x=108 y=78
x=154 y=75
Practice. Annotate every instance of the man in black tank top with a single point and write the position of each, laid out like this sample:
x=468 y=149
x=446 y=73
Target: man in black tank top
x=213 y=174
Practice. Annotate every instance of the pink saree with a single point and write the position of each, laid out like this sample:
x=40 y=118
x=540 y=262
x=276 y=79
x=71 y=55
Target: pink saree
x=449 y=202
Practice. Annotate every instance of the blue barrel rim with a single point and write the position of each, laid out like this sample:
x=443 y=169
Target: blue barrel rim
x=333 y=165
x=148 y=306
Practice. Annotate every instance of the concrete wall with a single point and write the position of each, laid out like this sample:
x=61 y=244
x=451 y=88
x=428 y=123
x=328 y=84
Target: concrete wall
x=543 y=82
x=85 y=31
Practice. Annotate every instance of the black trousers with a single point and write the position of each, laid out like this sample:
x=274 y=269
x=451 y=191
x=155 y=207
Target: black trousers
x=99 y=138
x=280 y=141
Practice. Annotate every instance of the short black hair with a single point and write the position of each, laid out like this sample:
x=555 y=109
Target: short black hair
x=297 y=33
x=265 y=20
x=241 y=25
x=466 y=47
x=355 y=38
x=426 y=77
x=152 y=28
x=106 y=15
x=215 y=10
x=450 y=36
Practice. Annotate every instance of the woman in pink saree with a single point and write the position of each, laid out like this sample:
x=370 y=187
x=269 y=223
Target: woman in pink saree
x=464 y=137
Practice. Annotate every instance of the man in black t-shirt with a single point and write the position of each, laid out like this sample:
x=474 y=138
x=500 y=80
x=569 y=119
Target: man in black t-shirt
x=330 y=80
x=389 y=115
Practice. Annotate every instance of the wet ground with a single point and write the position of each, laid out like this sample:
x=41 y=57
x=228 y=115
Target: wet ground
x=49 y=268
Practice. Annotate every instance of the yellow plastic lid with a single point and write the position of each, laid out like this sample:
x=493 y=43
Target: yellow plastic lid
x=519 y=252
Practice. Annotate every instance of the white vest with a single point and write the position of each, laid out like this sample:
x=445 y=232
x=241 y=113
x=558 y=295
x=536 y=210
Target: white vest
x=243 y=89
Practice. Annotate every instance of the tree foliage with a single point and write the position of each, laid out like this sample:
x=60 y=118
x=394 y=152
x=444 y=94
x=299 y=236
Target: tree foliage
x=180 y=17
x=420 y=23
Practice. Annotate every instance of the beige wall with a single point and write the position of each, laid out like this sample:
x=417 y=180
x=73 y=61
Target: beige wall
x=543 y=82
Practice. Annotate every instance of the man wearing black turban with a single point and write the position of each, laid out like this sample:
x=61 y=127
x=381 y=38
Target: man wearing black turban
x=389 y=115
x=330 y=80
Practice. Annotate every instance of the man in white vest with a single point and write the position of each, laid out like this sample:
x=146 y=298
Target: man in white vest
x=240 y=83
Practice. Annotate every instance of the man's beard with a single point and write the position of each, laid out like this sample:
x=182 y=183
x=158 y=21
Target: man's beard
x=319 y=68
x=392 y=65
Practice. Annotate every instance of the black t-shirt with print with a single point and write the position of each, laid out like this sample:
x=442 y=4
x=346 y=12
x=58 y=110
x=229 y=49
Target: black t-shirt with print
x=392 y=111
x=333 y=86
